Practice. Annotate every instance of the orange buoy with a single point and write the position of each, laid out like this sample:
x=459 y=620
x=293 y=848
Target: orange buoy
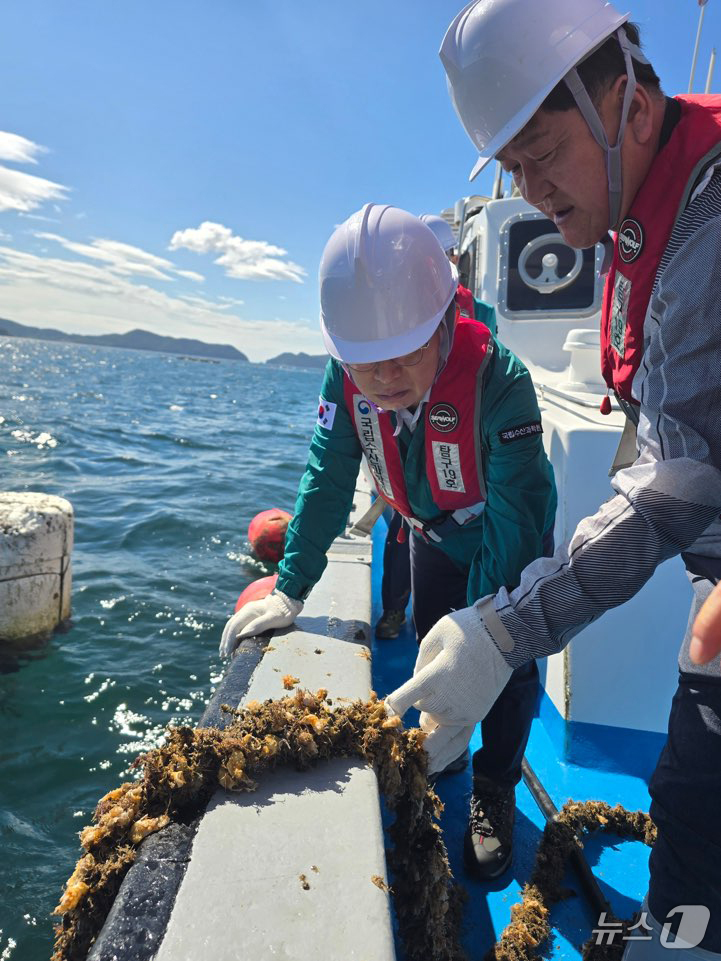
x=266 y=534
x=256 y=591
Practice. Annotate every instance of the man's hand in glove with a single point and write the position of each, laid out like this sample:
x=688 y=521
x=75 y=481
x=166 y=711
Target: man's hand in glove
x=274 y=611
x=459 y=673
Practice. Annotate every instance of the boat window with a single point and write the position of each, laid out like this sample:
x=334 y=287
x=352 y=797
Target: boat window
x=550 y=275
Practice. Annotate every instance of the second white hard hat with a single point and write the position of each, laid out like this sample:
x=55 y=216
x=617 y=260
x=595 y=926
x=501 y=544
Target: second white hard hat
x=385 y=285
x=504 y=57
x=442 y=229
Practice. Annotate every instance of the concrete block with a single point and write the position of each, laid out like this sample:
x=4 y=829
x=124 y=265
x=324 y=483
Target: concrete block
x=36 y=540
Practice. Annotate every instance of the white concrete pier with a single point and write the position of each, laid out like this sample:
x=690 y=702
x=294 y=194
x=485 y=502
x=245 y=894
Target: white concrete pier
x=36 y=542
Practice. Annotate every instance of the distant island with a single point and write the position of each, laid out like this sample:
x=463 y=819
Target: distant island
x=299 y=360
x=133 y=340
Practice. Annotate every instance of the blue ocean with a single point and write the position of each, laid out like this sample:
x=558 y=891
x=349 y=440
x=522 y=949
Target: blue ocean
x=165 y=460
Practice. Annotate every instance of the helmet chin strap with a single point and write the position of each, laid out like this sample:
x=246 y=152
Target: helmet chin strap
x=592 y=118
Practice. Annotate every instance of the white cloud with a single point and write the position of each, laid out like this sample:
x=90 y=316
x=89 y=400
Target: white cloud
x=18 y=149
x=102 y=286
x=23 y=192
x=87 y=298
x=124 y=259
x=196 y=301
x=18 y=190
x=242 y=259
x=48 y=220
x=191 y=275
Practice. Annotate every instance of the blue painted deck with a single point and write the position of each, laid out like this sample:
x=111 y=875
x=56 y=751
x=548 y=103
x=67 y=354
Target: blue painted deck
x=620 y=867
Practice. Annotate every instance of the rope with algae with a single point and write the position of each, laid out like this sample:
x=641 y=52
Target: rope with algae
x=529 y=928
x=180 y=777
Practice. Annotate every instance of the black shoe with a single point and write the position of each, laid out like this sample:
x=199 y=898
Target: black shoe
x=487 y=845
x=390 y=624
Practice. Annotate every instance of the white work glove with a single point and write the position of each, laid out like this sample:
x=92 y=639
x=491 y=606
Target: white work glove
x=459 y=673
x=274 y=611
x=445 y=744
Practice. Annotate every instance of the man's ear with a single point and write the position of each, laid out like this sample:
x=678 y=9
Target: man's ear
x=640 y=124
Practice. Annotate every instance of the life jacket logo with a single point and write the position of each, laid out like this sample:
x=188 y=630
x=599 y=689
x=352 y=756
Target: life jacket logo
x=444 y=417
x=630 y=240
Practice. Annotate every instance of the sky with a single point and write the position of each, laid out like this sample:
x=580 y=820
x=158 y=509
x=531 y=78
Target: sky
x=178 y=165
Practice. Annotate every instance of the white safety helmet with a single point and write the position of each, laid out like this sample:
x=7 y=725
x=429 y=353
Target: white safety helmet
x=504 y=57
x=385 y=285
x=442 y=229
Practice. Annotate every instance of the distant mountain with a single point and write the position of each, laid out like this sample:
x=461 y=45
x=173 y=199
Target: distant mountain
x=133 y=340
x=299 y=360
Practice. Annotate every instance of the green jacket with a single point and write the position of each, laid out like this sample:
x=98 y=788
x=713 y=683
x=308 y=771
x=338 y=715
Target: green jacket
x=495 y=548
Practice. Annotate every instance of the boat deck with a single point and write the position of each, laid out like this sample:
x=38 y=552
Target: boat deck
x=620 y=867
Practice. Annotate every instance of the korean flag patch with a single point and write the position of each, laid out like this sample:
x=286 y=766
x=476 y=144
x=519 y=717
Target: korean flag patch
x=326 y=413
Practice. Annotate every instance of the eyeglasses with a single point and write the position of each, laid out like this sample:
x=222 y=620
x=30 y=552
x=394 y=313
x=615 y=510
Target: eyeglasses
x=407 y=360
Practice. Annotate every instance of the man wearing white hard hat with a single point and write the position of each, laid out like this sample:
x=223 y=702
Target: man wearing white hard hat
x=395 y=588
x=449 y=423
x=445 y=237
x=560 y=93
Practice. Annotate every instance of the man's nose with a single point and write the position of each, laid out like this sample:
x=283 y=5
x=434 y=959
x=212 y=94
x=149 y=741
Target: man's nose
x=386 y=371
x=534 y=187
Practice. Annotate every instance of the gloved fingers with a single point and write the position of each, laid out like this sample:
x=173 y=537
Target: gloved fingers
x=445 y=744
x=258 y=625
x=236 y=626
x=430 y=647
x=407 y=694
x=427 y=723
x=248 y=612
x=436 y=696
x=229 y=639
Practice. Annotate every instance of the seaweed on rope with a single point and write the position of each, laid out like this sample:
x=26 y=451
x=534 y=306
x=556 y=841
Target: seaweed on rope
x=523 y=939
x=180 y=777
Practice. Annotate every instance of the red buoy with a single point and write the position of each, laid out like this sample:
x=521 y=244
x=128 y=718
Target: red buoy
x=266 y=534
x=256 y=591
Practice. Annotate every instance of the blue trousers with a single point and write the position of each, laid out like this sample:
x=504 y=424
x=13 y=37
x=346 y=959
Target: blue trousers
x=686 y=807
x=396 y=583
x=439 y=587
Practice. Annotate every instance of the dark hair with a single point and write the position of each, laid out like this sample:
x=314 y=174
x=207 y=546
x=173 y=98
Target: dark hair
x=599 y=71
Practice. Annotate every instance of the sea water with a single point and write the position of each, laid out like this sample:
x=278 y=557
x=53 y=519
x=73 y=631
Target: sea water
x=165 y=460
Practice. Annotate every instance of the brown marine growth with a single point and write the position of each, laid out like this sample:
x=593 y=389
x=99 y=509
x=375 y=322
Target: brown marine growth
x=179 y=778
x=523 y=939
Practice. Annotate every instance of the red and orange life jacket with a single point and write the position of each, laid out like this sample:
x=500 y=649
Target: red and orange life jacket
x=452 y=433
x=644 y=234
x=464 y=299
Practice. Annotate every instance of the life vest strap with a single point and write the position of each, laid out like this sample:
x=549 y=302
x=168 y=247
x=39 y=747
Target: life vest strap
x=448 y=522
x=631 y=410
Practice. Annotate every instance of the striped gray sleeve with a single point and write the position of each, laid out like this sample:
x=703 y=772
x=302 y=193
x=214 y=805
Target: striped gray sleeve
x=672 y=494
